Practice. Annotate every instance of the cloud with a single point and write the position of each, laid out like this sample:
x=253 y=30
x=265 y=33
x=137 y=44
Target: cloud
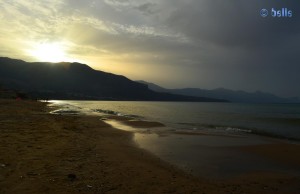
x=147 y=8
x=188 y=43
x=117 y=2
x=234 y=23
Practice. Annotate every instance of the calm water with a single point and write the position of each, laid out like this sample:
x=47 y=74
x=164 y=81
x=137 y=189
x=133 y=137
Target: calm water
x=228 y=127
x=268 y=119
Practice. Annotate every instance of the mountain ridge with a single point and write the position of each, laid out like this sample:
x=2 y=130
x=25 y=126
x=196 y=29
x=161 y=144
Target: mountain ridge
x=78 y=81
x=239 y=96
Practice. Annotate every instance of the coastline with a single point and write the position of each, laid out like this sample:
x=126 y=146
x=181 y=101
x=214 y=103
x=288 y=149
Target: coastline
x=47 y=153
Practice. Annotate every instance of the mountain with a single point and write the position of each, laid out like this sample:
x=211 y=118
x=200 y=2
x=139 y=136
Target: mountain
x=221 y=93
x=77 y=81
x=154 y=87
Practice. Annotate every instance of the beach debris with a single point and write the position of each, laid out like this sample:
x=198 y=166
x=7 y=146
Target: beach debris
x=2 y=165
x=89 y=186
x=72 y=177
x=32 y=174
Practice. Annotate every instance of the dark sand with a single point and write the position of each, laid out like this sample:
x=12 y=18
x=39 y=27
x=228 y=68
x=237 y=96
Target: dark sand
x=44 y=153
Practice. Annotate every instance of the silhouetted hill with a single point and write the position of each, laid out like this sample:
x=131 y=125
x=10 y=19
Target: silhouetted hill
x=76 y=81
x=154 y=87
x=221 y=93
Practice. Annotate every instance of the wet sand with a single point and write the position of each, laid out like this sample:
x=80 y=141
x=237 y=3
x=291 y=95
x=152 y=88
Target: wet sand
x=44 y=153
x=281 y=152
x=135 y=123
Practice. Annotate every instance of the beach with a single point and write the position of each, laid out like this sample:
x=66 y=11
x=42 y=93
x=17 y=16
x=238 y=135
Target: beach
x=53 y=153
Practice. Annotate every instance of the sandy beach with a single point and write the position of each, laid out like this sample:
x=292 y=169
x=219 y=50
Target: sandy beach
x=48 y=153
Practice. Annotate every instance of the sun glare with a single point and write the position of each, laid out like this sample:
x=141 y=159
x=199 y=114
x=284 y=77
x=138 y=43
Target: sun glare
x=49 y=52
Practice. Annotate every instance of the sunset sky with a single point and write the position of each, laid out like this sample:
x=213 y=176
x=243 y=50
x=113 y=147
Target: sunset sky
x=173 y=43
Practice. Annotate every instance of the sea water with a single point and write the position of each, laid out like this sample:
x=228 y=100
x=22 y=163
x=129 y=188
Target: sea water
x=277 y=120
x=228 y=127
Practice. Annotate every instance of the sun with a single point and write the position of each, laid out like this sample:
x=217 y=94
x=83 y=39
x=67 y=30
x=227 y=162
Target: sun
x=49 y=52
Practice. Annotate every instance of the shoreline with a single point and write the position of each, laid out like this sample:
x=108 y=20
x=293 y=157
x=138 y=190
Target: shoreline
x=41 y=152
x=175 y=147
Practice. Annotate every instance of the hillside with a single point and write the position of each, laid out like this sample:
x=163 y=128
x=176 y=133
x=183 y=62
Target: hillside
x=231 y=95
x=76 y=81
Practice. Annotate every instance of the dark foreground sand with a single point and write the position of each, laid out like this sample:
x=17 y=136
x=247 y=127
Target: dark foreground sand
x=44 y=153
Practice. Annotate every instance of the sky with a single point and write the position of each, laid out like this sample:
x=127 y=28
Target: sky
x=174 y=43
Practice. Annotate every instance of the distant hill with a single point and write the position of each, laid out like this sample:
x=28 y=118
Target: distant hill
x=77 y=81
x=221 y=93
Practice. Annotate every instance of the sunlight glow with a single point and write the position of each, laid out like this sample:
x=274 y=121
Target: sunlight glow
x=49 y=52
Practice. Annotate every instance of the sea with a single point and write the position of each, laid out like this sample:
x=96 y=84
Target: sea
x=203 y=139
x=275 y=120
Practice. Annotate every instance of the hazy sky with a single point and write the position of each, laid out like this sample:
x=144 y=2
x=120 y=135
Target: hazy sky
x=174 y=43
